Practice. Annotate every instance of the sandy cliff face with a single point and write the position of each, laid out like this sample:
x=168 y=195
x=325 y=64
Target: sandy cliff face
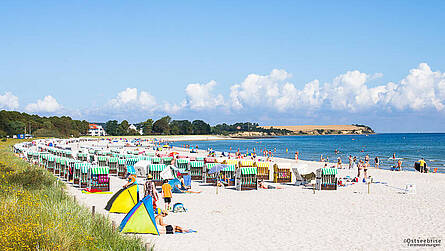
x=326 y=129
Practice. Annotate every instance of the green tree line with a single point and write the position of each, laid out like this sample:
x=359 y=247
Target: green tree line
x=12 y=123
x=167 y=126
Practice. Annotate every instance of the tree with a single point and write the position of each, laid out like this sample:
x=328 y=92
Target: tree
x=200 y=127
x=123 y=128
x=111 y=127
x=147 y=127
x=182 y=127
x=162 y=125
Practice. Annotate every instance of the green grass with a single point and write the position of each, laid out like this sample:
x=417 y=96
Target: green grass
x=37 y=214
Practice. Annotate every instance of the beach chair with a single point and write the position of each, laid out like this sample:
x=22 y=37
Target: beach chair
x=155 y=171
x=102 y=160
x=112 y=163
x=281 y=175
x=263 y=170
x=246 y=178
x=196 y=170
x=98 y=178
x=121 y=168
x=183 y=164
x=326 y=179
x=209 y=178
x=228 y=175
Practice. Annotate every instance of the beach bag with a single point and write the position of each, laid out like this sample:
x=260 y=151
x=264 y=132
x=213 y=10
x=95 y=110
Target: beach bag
x=179 y=208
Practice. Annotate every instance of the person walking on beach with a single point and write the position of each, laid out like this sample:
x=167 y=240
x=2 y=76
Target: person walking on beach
x=167 y=194
x=150 y=189
x=377 y=163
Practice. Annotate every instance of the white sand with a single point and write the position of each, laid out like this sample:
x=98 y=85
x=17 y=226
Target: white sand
x=295 y=218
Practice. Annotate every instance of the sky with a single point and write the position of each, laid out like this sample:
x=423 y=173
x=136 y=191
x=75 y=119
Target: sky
x=379 y=63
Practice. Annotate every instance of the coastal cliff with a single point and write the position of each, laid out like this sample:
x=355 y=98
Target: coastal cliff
x=324 y=129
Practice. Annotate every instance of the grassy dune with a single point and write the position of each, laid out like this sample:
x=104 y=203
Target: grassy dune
x=37 y=214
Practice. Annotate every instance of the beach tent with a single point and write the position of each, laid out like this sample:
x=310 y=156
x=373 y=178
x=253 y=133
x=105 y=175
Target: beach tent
x=141 y=168
x=140 y=219
x=165 y=172
x=123 y=200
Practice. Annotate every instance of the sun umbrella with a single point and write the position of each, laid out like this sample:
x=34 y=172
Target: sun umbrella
x=216 y=168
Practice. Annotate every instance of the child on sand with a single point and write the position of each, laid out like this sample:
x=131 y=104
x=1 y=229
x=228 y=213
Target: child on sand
x=167 y=194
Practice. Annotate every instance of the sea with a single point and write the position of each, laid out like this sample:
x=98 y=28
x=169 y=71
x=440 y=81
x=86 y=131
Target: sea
x=409 y=147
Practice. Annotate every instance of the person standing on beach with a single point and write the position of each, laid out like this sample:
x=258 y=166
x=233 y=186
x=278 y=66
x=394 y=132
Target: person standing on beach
x=376 y=160
x=350 y=161
x=296 y=155
x=150 y=189
x=367 y=158
x=167 y=194
x=338 y=162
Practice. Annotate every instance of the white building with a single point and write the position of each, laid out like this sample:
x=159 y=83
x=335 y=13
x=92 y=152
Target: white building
x=134 y=128
x=96 y=130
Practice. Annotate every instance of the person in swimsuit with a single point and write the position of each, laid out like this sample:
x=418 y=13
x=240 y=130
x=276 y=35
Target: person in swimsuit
x=165 y=228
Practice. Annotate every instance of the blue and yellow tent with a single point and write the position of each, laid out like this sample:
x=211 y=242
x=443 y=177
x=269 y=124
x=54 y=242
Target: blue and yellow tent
x=140 y=219
x=123 y=200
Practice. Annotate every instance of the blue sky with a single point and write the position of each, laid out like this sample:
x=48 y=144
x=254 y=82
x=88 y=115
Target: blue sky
x=273 y=62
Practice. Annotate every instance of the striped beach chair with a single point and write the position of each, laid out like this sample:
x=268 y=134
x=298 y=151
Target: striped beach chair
x=196 y=170
x=263 y=170
x=98 y=178
x=246 y=178
x=112 y=164
x=228 y=175
x=155 y=170
x=183 y=164
x=326 y=179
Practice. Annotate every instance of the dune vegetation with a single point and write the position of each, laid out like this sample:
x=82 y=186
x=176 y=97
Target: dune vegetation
x=37 y=214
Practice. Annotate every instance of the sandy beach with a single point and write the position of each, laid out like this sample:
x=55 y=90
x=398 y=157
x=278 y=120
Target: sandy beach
x=295 y=217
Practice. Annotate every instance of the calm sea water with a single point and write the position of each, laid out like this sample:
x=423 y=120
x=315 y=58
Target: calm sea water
x=408 y=146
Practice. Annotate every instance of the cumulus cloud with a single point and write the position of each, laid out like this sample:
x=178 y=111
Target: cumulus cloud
x=350 y=92
x=9 y=101
x=46 y=105
x=200 y=96
x=421 y=89
x=132 y=98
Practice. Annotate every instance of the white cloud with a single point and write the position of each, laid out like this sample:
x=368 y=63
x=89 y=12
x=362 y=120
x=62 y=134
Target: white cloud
x=47 y=104
x=9 y=101
x=132 y=98
x=200 y=97
x=257 y=89
x=421 y=89
x=348 y=92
